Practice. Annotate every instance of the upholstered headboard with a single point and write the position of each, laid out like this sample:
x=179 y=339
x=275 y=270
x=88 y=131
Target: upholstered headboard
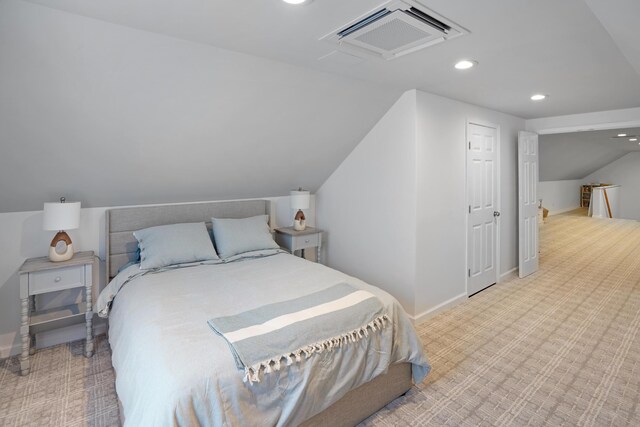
x=122 y=222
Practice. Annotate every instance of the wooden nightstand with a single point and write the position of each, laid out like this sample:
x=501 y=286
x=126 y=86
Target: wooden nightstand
x=41 y=276
x=293 y=240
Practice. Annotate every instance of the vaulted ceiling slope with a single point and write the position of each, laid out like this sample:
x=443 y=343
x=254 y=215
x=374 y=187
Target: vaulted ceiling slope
x=583 y=53
x=577 y=154
x=111 y=115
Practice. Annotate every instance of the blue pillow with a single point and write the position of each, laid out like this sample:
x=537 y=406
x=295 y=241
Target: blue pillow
x=236 y=236
x=174 y=244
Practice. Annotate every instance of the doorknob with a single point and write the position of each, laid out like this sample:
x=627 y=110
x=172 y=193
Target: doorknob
x=496 y=214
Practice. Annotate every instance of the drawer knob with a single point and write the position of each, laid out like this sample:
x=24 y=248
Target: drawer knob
x=57 y=279
x=306 y=241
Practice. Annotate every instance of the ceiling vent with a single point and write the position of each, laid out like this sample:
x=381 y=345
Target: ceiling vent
x=394 y=29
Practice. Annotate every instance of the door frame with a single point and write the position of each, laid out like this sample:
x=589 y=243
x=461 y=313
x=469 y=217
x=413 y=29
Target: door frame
x=498 y=250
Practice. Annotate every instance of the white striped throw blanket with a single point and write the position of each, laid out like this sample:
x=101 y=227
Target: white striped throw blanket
x=263 y=339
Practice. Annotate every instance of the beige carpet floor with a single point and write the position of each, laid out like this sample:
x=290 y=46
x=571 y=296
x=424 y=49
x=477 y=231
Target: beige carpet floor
x=559 y=348
x=64 y=388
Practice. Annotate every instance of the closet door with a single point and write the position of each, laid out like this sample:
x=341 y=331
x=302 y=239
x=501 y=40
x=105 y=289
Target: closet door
x=482 y=187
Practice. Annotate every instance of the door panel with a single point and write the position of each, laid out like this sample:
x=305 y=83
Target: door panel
x=482 y=199
x=477 y=251
x=476 y=203
x=489 y=176
x=527 y=203
x=489 y=231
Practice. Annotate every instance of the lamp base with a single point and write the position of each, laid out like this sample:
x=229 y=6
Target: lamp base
x=56 y=256
x=299 y=222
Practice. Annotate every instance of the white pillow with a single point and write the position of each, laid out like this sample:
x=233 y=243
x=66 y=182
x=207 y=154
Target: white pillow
x=174 y=244
x=236 y=236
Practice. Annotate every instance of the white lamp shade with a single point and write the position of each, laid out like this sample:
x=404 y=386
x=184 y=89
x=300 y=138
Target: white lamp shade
x=300 y=199
x=61 y=216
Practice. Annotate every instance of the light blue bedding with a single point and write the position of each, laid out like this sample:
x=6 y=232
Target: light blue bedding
x=277 y=335
x=235 y=236
x=165 y=245
x=172 y=370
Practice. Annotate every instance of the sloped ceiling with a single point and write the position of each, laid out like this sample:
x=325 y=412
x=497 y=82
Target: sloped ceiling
x=110 y=115
x=620 y=19
x=151 y=101
x=582 y=53
x=578 y=154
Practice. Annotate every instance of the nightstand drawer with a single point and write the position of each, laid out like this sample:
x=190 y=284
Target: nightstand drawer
x=297 y=240
x=305 y=241
x=56 y=280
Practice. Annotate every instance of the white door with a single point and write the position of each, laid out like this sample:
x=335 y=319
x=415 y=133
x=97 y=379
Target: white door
x=528 y=202
x=482 y=187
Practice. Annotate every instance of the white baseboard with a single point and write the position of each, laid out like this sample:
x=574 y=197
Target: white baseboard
x=10 y=350
x=508 y=274
x=55 y=337
x=438 y=308
x=561 y=211
x=419 y=318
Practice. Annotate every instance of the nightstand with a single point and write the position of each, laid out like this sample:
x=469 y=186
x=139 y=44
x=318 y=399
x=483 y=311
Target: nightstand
x=293 y=240
x=40 y=276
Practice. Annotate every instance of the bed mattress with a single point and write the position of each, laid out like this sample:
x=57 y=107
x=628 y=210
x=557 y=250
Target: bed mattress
x=172 y=369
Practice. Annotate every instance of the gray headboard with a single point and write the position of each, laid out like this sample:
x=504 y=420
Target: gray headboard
x=122 y=222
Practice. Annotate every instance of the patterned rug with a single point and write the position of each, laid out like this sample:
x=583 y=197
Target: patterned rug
x=560 y=347
x=64 y=388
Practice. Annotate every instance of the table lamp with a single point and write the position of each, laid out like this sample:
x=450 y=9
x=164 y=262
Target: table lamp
x=299 y=200
x=61 y=216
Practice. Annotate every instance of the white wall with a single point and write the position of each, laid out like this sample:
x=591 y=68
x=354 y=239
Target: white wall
x=625 y=172
x=442 y=203
x=560 y=196
x=24 y=238
x=404 y=188
x=368 y=206
x=625 y=169
x=138 y=117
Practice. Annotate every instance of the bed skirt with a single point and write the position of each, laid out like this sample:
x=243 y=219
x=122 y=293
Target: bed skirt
x=360 y=403
x=366 y=400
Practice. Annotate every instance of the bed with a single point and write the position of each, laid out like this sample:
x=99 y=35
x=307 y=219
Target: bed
x=172 y=369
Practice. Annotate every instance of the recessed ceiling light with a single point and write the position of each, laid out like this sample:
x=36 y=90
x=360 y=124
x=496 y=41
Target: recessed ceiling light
x=622 y=135
x=538 y=97
x=296 y=1
x=465 y=64
x=633 y=139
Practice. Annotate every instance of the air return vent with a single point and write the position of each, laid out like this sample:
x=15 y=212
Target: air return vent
x=394 y=29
